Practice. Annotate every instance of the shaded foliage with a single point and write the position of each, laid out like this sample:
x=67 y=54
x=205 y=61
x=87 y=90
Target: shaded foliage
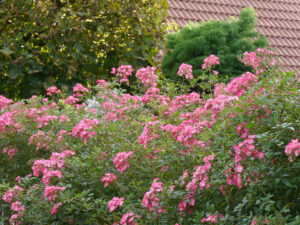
x=44 y=43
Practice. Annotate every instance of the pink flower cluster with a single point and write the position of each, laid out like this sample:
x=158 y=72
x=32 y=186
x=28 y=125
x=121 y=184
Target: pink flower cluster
x=61 y=134
x=108 y=106
x=260 y=59
x=216 y=105
x=79 y=89
x=15 y=206
x=200 y=176
x=115 y=203
x=147 y=76
x=188 y=201
x=15 y=218
x=210 y=61
x=4 y=102
x=185 y=175
x=71 y=100
x=240 y=85
x=292 y=149
x=108 y=179
x=33 y=113
x=49 y=174
x=56 y=161
x=47 y=168
x=11 y=193
x=211 y=218
x=123 y=72
x=242 y=130
x=242 y=151
x=121 y=162
x=50 y=192
x=102 y=83
x=121 y=112
x=8 y=124
x=186 y=131
x=117 y=108
x=44 y=120
x=18 y=179
x=246 y=149
x=81 y=130
x=150 y=200
x=128 y=219
x=41 y=140
x=148 y=134
x=185 y=70
x=10 y=152
x=55 y=207
x=182 y=101
x=52 y=91
x=154 y=94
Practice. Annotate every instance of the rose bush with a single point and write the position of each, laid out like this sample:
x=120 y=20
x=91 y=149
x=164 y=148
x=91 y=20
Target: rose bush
x=102 y=156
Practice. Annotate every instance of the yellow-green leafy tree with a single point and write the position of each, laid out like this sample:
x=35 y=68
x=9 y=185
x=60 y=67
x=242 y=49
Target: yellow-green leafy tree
x=61 y=42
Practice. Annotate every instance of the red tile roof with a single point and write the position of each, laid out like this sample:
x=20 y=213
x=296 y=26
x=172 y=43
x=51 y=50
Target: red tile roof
x=278 y=20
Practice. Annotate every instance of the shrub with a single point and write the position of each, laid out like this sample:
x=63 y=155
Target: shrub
x=114 y=158
x=226 y=39
x=45 y=43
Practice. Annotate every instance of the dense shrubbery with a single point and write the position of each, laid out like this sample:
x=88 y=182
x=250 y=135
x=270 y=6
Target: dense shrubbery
x=227 y=39
x=44 y=43
x=104 y=157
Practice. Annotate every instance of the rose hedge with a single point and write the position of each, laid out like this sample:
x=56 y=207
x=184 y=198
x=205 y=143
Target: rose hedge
x=104 y=157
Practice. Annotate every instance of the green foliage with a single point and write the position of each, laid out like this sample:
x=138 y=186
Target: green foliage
x=45 y=43
x=225 y=39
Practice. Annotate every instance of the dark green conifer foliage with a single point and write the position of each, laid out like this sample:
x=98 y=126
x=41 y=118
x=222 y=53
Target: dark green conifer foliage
x=226 y=39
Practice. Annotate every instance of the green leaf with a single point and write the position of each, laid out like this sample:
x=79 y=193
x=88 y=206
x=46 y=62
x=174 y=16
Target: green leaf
x=6 y=51
x=13 y=73
x=250 y=125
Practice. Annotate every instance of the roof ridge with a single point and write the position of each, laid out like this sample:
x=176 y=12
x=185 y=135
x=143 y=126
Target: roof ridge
x=249 y=1
x=276 y=18
x=286 y=46
x=237 y=13
x=285 y=28
x=238 y=4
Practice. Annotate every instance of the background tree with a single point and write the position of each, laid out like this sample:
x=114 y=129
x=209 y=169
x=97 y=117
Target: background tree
x=61 y=42
x=226 y=39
